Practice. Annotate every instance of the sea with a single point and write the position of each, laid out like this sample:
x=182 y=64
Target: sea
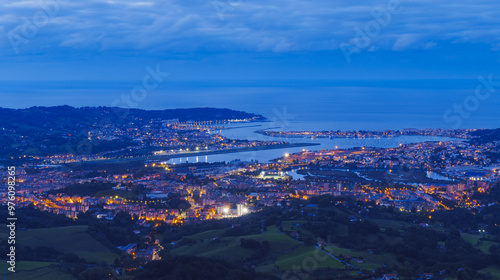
x=289 y=105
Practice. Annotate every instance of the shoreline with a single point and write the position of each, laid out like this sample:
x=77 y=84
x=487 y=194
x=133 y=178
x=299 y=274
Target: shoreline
x=358 y=135
x=200 y=153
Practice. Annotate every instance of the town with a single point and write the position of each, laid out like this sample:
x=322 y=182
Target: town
x=138 y=180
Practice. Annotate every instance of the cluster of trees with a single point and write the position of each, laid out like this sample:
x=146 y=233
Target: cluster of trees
x=70 y=263
x=175 y=201
x=418 y=249
x=85 y=189
x=81 y=270
x=118 y=232
x=30 y=217
x=195 y=268
x=261 y=248
x=423 y=249
x=250 y=243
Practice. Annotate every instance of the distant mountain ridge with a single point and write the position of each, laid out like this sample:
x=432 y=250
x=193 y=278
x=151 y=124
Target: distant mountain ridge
x=60 y=129
x=69 y=117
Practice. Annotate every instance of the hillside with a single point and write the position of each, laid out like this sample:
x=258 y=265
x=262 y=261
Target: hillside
x=67 y=118
x=39 y=131
x=343 y=240
x=62 y=240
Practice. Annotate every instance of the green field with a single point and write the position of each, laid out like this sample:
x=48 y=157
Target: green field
x=292 y=225
x=493 y=270
x=303 y=257
x=391 y=224
x=285 y=251
x=37 y=271
x=207 y=235
x=296 y=225
x=72 y=239
x=372 y=261
x=228 y=248
x=475 y=240
x=278 y=240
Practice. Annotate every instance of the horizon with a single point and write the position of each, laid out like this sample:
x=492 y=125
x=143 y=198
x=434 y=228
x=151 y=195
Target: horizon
x=290 y=122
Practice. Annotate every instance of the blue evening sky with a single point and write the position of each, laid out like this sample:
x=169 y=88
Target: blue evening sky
x=47 y=40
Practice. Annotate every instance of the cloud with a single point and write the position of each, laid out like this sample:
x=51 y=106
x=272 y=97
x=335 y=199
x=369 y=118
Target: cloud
x=251 y=26
x=430 y=45
x=405 y=41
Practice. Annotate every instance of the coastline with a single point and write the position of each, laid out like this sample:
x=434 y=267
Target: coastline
x=365 y=134
x=196 y=153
